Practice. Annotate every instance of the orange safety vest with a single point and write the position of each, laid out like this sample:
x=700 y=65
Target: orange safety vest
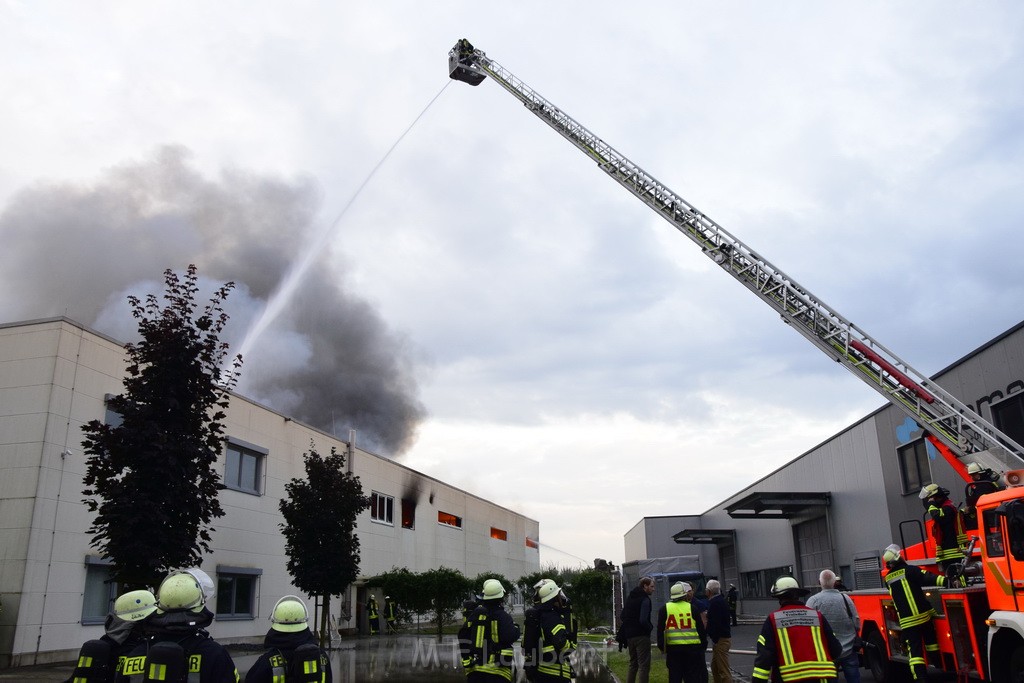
x=800 y=645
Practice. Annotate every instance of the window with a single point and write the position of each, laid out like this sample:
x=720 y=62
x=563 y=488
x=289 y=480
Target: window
x=1008 y=416
x=449 y=519
x=243 y=469
x=914 y=470
x=499 y=534
x=993 y=534
x=110 y=416
x=532 y=543
x=100 y=592
x=382 y=508
x=408 y=514
x=236 y=592
x=758 y=584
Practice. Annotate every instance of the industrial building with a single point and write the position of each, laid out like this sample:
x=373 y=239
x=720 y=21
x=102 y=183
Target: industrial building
x=840 y=503
x=55 y=375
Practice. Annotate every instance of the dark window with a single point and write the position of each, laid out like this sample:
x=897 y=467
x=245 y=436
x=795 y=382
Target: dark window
x=914 y=470
x=758 y=584
x=382 y=508
x=993 y=534
x=99 y=594
x=408 y=514
x=1008 y=416
x=236 y=595
x=243 y=469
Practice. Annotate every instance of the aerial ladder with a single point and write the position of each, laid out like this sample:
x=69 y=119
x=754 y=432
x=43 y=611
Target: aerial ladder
x=951 y=426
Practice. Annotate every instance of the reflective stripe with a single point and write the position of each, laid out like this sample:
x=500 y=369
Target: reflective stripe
x=679 y=625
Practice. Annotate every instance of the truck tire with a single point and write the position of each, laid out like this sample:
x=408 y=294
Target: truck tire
x=883 y=670
x=1016 y=668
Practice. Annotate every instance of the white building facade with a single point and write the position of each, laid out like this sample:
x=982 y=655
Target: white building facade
x=56 y=375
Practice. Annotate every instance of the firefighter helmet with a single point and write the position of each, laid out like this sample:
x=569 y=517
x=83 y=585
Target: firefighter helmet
x=931 y=490
x=787 y=585
x=135 y=605
x=493 y=590
x=891 y=553
x=180 y=592
x=289 y=615
x=679 y=590
x=548 y=592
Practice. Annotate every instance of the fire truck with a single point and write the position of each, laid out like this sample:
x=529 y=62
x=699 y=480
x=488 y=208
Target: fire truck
x=979 y=624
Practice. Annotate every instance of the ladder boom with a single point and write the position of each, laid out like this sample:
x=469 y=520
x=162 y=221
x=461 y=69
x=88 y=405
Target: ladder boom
x=936 y=410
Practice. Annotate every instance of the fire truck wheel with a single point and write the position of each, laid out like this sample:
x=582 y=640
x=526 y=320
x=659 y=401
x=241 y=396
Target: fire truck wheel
x=1016 y=670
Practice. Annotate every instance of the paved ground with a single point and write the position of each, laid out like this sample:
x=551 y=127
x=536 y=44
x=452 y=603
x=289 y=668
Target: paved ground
x=424 y=660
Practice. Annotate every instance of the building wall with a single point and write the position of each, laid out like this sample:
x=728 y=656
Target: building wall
x=54 y=376
x=859 y=467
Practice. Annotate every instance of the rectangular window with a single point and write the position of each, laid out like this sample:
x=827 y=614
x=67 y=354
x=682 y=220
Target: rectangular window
x=1008 y=416
x=913 y=458
x=243 y=466
x=993 y=534
x=449 y=519
x=100 y=591
x=758 y=584
x=111 y=417
x=382 y=508
x=408 y=514
x=499 y=534
x=532 y=543
x=236 y=592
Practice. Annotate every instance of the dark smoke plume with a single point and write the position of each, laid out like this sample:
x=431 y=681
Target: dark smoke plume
x=328 y=360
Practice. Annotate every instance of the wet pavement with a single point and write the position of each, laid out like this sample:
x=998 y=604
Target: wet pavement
x=423 y=659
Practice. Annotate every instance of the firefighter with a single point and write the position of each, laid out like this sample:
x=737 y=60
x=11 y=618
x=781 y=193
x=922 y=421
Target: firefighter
x=373 y=615
x=948 y=529
x=391 y=614
x=681 y=636
x=906 y=586
x=546 y=644
x=291 y=648
x=488 y=637
x=178 y=644
x=796 y=642
x=983 y=481
x=99 y=660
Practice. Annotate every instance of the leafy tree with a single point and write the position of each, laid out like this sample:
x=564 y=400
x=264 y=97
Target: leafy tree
x=401 y=585
x=319 y=527
x=151 y=479
x=446 y=589
x=591 y=595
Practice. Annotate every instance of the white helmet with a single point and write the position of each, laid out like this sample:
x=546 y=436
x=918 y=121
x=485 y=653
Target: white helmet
x=548 y=591
x=678 y=590
x=289 y=615
x=787 y=585
x=891 y=553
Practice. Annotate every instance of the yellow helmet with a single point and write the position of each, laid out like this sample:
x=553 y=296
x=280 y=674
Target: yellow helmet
x=492 y=590
x=785 y=585
x=135 y=605
x=289 y=615
x=548 y=591
x=180 y=592
x=928 y=491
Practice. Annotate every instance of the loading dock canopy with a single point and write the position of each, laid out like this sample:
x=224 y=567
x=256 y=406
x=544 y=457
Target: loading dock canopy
x=777 y=505
x=695 y=536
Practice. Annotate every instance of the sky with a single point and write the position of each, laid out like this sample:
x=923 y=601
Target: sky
x=429 y=264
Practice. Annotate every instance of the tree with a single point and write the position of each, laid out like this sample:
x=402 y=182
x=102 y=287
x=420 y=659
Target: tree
x=400 y=584
x=151 y=479
x=591 y=595
x=319 y=527
x=446 y=589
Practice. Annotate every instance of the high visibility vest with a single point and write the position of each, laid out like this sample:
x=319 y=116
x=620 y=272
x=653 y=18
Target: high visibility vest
x=680 y=628
x=800 y=645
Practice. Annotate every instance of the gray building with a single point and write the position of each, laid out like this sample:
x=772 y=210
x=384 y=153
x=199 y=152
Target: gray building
x=840 y=503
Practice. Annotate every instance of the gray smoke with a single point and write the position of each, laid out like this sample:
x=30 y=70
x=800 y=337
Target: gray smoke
x=329 y=360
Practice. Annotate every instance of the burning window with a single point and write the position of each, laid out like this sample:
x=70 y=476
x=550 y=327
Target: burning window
x=532 y=543
x=408 y=514
x=449 y=519
x=499 y=534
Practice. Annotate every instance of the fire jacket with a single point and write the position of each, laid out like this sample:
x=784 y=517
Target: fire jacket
x=906 y=586
x=948 y=531
x=546 y=645
x=796 y=644
x=492 y=632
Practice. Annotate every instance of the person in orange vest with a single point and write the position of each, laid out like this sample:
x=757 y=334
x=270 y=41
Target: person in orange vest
x=796 y=642
x=681 y=636
x=950 y=535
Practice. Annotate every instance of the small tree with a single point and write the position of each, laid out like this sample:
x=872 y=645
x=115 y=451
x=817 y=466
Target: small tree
x=447 y=589
x=150 y=479
x=319 y=527
x=591 y=595
x=400 y=584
